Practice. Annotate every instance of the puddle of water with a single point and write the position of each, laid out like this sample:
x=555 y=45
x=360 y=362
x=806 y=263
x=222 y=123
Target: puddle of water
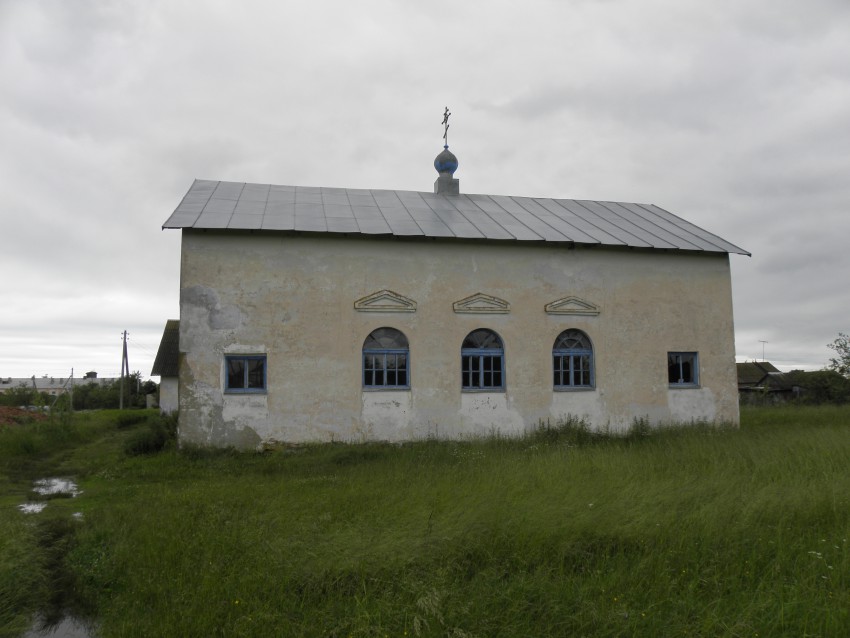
x=56 y=620
x=32 y=508
x=56 y=487
x=48 y=488
x=67 y=627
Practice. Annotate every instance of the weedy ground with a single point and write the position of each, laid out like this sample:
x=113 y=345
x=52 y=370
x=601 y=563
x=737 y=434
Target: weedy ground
x=689 y=531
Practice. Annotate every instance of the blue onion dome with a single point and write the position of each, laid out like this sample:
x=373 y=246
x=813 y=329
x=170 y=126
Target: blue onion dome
x=446 y=162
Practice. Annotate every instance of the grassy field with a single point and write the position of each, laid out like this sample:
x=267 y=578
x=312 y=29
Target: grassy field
x=700 y=532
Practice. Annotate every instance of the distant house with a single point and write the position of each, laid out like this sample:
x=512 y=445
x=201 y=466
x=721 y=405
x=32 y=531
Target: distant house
x=763 y=379
x=319 y=314
x=53 y=386
x=165 y=366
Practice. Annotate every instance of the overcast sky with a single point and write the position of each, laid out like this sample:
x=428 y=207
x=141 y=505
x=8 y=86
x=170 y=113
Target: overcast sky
x=734 y=114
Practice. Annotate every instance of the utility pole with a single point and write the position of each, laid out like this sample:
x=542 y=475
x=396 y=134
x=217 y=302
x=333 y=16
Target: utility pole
x=125 y=365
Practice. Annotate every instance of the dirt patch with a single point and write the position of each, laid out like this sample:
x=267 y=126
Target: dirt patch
x=16 y=416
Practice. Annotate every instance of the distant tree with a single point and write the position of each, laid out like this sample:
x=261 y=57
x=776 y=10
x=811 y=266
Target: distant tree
x=841 y=363
x=820 y=386
x=98 y=395
x=24 y=395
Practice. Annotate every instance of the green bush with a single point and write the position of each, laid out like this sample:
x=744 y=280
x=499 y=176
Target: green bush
x=126 y=419
x=145 y=442
x=161 y=430
x=820 y=386
x=569 y=430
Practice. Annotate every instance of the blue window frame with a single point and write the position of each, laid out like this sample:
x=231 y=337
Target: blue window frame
x=386 y=360
x=572 y=361
x=245 y=373
x=683 y=369
x=482 y=361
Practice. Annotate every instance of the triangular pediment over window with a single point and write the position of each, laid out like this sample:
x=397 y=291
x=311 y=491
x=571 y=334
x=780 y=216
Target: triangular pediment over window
x=385 y=301
x=481 y=303
x=571 y=306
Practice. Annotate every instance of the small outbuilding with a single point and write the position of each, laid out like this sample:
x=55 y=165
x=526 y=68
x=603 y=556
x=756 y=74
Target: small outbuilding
x=320 y=314
x=761 y=380
x=166 y=366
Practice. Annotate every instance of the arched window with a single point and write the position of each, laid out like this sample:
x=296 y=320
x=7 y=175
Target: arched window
x=572 y=358
x=482 y=361
x=385 y=359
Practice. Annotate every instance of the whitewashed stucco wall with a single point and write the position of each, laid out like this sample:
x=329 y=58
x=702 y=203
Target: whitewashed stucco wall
x=168 y=393
x=292 y=298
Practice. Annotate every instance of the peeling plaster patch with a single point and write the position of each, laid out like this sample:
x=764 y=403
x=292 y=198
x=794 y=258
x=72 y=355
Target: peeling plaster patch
x=483 y=413
x=363 y=432
x=225 y=318
x=202 y=409
x=241 y=415
x=247 y=438
x=200 y=296
x=692 y=404
x=588 y=405
x=219 y=317
x=245 y=408
x=387 y=416
x=232 y=435
x=241 y=348
x=656 y=415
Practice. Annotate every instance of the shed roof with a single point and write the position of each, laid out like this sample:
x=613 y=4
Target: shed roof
x=268 y=207
x=755 y=373
x=165 y=364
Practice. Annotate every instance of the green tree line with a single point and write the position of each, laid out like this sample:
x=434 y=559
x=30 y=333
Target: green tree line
x=87 y=395
x=830 y=385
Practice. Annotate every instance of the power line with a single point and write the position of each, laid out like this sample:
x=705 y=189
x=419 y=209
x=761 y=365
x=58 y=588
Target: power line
x=141 y=347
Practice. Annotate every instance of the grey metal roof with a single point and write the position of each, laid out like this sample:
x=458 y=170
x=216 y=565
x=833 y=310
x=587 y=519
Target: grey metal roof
x=245 y=206
x=168 y=354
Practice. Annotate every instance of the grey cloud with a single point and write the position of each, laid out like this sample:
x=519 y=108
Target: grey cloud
x=731 y=114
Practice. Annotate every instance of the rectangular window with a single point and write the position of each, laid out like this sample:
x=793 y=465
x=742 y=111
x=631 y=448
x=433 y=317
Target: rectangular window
x=482 y=371
x=683 y=369
x=245 y=373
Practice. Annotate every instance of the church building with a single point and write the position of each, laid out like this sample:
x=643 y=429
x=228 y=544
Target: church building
x=336 y=314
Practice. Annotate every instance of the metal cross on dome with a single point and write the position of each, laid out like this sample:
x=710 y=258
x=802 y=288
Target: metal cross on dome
x=446 y=126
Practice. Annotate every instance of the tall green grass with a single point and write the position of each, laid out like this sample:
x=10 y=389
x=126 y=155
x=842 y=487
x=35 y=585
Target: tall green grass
x=682 y=532
x=29 y=444
x=33 y=548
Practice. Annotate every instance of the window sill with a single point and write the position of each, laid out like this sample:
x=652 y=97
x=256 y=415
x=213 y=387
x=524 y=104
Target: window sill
x=483 y=390
x=244 y=392
x=388 y=388
x=684 y=386
x=580 y=388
